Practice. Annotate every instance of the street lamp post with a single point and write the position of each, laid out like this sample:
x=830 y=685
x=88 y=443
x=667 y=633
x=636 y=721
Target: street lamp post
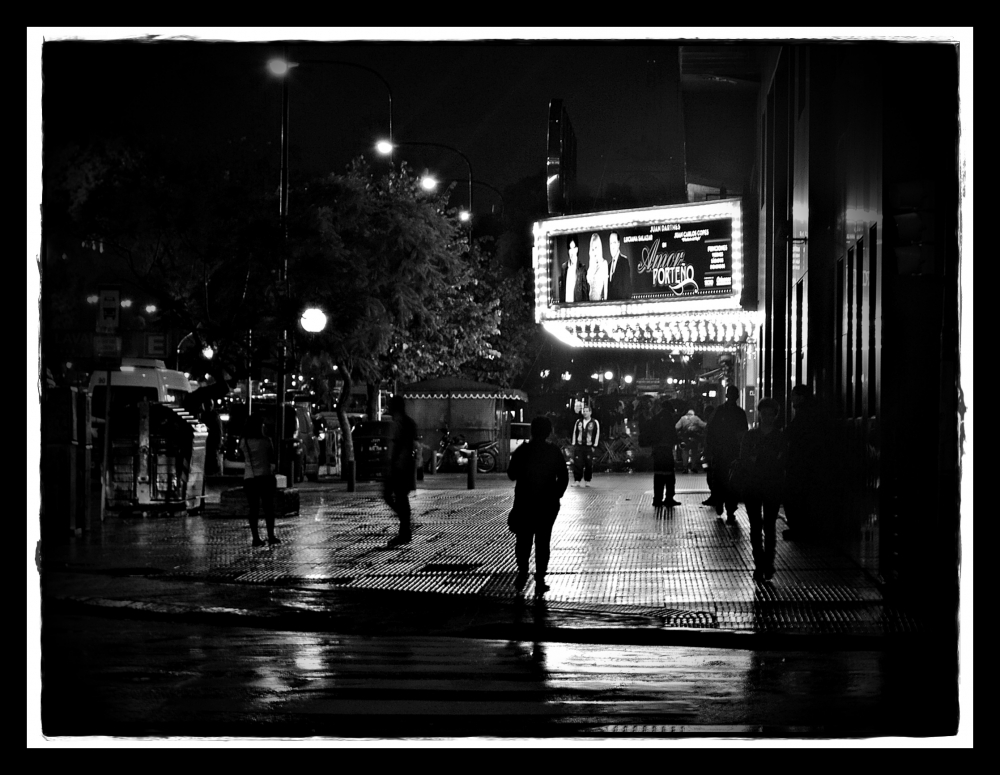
x=283 y=271
x=386 y=147
x=503 y=204
x=281 y=67
x=177 y=352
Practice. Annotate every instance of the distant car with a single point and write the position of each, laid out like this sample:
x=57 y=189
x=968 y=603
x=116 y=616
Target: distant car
x=300 y=443
x=372 y=444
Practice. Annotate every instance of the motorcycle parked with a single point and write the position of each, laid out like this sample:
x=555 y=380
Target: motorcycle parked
x=454 y=452
x=487 y=453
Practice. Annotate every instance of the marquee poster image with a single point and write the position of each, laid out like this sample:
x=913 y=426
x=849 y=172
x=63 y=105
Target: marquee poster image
x=651 y=261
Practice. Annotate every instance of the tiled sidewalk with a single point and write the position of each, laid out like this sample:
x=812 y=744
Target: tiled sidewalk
x=613 y=557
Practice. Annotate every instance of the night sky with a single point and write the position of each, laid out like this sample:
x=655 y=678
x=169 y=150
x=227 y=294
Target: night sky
x=487 y=99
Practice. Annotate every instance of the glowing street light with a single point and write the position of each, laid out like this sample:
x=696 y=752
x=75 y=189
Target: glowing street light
x=313 y=320
x=386 y=147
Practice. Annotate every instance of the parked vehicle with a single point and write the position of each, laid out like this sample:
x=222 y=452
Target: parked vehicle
x=487 y=453
x=372 y=444
x=299 y=446
x=134 y=380
x=452 y=452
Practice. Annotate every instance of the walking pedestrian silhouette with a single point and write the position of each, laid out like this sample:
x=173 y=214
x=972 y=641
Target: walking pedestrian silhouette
x=663 y=436
x=538 y=471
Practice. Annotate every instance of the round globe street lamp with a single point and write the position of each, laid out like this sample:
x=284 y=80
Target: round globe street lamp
x=313 y=320
x=386 y=147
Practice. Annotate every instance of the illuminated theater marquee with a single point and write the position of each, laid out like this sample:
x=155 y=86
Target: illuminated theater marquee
x=647 y=277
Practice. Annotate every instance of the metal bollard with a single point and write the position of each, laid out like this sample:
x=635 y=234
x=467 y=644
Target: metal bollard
x=351 y=476
x=472 y=470
x=434 y=462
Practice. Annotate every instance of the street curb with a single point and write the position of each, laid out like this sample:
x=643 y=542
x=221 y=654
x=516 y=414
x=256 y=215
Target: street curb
x=333 y=622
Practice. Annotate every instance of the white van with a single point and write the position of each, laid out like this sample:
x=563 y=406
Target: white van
x=138 y=378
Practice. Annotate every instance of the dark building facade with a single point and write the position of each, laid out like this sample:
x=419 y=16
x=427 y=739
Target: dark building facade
x=857 y=186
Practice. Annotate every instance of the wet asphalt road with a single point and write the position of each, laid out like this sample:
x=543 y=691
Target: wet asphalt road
x=133 y=678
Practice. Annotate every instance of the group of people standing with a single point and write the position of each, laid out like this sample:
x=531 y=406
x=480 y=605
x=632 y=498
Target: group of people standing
x=750 y=465
x=763 y=467
x=766 y=467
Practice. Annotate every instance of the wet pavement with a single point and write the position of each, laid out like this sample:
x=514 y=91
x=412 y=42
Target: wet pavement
x=620 y=571
x=106 y=678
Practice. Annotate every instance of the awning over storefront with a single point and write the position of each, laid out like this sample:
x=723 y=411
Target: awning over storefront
x=458 y=387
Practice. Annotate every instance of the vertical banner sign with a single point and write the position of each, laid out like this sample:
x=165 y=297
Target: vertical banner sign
x=108 y=310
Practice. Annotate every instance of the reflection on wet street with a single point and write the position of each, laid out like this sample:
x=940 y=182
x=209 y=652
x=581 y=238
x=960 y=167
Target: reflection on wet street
x=134 y=678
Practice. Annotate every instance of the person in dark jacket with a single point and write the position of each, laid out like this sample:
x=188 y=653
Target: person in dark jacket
x=400 y=479
x=807 y=441
x=764 y=454
x=723 y=437
x=711 y=477
x=586 y=436
x=663 y=438
x=213 y=443
x=258 y=477
x=538 y=470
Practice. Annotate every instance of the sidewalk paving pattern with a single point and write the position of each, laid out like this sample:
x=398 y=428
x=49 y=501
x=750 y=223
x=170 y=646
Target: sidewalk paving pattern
x=617 y=566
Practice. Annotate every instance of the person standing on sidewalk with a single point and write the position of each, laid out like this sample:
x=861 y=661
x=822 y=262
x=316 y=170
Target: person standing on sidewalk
x=663 y=437
x=808 y=441
x=401 y=477
x=691 y=430
x=711 y=475
x=539 y=473
x=724 y=434
x=586 y=435
x=213 y=443
x=258 y=476
x=764 y=454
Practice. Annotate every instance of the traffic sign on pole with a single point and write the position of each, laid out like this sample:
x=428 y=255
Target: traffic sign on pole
x=108 y=310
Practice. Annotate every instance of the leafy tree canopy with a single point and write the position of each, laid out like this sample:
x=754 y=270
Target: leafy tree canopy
x=395 y=274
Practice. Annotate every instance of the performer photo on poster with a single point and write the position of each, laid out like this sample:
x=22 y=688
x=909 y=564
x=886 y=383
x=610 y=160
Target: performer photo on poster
x=652 y=261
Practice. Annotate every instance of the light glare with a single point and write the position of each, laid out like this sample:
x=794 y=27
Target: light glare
x=313 y=320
